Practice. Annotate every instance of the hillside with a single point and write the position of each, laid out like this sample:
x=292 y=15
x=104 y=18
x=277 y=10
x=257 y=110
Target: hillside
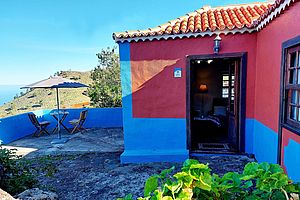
x=38 y=99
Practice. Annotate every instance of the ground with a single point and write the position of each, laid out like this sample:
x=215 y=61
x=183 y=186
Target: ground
x=88 y=165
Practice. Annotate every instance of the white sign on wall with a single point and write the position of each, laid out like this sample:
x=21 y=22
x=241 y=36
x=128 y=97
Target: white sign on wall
x=177 y=72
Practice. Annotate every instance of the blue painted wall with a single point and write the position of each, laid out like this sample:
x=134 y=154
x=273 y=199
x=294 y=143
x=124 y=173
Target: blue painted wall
x=148 y=140
x=261 y=141
x=96 y=118
x=16 y=127
x=292 y=160
x=249 y=136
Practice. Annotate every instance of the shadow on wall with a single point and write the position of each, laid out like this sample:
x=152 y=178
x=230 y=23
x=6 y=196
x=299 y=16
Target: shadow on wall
x=154 y=111
x=156 y=93
x=19 y=126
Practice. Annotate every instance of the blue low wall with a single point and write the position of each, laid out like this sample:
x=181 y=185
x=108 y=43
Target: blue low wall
x=154 y=140
x=292 y=160
x=261 y=141
x=16 y=127
x=96 y=118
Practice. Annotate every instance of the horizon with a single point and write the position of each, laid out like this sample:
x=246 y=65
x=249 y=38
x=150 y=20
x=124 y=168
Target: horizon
x=43 y=37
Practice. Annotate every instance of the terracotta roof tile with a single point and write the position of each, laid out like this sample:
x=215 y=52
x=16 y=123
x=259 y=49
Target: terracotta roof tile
x=207 y=19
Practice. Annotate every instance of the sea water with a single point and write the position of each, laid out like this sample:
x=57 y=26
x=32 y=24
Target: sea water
x=8 y=92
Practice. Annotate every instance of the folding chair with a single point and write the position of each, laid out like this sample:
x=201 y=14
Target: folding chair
x=40 y=126
x=78 y=123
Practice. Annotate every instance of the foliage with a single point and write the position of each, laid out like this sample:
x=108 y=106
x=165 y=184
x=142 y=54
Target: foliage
x=195 y=181
x=20 y=174
x=105 y=91
x=17 y=175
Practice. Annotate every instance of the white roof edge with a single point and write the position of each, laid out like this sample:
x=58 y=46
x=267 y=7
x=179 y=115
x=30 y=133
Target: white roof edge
x=274 y=14
x=184 y=35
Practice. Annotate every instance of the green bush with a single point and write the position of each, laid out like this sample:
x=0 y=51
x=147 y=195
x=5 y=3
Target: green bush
x=258 y=181
x=16 y=175
x=105 y=91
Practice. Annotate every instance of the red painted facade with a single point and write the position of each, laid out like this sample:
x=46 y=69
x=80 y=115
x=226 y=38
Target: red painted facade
x=157 y=94
x=268 y=67
x=268 y=64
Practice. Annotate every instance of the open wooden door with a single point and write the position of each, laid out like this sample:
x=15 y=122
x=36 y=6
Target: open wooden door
x=233 y=102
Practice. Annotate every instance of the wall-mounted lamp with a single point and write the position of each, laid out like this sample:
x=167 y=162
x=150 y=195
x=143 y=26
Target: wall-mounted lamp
x=217 y=44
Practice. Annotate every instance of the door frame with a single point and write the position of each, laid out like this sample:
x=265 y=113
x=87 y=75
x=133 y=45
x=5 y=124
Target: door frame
x=242 y=91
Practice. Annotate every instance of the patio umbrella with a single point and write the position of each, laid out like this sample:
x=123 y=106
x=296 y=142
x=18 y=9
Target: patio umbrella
x=56 y=82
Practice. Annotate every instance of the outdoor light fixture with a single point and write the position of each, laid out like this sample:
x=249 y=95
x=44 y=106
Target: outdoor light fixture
x=217 y=44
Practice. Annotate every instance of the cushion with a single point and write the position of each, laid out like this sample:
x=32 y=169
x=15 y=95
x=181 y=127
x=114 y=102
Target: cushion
x=220 y=110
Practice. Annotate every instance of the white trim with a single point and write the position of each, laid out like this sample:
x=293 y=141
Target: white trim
x=184 y=35
x=274 y=14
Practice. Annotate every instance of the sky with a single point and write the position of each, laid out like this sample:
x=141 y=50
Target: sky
x=41 y=37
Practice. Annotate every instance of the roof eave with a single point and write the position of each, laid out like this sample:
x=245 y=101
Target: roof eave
x=183 y=35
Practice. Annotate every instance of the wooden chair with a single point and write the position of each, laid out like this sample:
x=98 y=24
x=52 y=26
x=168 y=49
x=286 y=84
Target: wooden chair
x=40 y=126
x=78 y=123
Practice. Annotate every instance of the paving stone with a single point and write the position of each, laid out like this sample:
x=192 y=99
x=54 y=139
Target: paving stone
x=89 y=166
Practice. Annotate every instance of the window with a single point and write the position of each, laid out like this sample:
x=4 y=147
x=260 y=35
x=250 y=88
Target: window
x=226 y=87
x=292 y=87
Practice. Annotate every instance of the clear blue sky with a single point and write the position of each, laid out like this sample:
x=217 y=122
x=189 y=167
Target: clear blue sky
x=40 y=37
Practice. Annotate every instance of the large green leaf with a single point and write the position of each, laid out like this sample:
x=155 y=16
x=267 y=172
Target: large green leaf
x=157 y=195
x=265 y=166
x=187 y=164
x=196 y=170
x=251 y=168
x=205 y=182
x=165 y=172
x=185 y=194
x=247 y=184
x=275 y=168
x=167 y=198
x=258 y=182
x=150 y=185
x=231 y=179
x=185 y=178
x=174 y=187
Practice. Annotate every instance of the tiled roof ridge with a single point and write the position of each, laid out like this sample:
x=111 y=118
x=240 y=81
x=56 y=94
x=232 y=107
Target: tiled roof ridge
x=278 y=7
x=211 y=20
x=193 y=13
x=212 y=9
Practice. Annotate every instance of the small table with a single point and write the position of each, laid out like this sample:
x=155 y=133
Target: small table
x=61 y=120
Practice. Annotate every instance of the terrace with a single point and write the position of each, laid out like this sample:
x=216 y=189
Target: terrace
x=88 y=165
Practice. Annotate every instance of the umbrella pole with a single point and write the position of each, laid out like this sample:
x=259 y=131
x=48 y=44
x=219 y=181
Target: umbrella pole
x=58 y=117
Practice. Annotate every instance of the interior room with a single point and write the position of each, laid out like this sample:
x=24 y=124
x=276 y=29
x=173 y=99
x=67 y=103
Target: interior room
x=213 y=110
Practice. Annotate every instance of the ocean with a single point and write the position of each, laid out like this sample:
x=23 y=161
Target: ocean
x=7 y=93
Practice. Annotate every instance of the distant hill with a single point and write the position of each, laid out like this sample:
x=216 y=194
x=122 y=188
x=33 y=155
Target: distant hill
x=38 y=99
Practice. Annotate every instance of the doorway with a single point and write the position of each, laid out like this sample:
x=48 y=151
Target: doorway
x=216 y=103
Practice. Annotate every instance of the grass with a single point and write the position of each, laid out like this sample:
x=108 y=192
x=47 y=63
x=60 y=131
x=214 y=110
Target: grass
x=39 y=99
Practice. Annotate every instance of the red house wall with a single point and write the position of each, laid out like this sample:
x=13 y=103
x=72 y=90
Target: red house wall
x=268 y=69
x=268 y=64
x=157 y=94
